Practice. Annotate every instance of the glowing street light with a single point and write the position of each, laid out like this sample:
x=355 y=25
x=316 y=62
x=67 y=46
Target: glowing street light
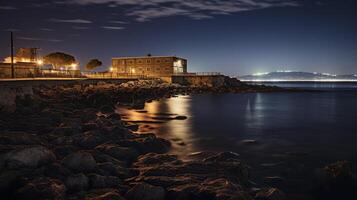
x=40 y=62
x=74 y=65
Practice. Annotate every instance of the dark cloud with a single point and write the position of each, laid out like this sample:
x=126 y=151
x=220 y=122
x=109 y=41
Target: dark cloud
x=78 y=21
x=7 y=8
x=113 y=27
x=38 y=39
x=145 y=10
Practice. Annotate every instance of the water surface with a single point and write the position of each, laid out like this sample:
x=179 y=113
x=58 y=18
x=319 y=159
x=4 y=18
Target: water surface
x=286 y=136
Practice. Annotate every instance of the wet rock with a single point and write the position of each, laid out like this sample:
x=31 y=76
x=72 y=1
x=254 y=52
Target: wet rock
x=145 y=191
x=80 y=162
x=31 y=157
x=223 y=157
x=89 y=139
x=78 y=182
x=152 y=159
x=42 y=188
x=338 y=170
x=118 y=152
x=180 y=117
x=111 y=169
x=133 y=127
x=270 y=194
x=98 y=181
x=104 y=195
x=335 y=181
x=148 y=143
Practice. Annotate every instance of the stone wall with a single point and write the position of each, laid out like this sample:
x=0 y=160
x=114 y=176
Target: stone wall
x=200 y=80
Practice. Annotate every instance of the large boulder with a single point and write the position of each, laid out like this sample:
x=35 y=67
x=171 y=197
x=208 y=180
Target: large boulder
x=42 y=188
x=89 y=139
x=144 y=191
x=118 y=152
x=78 y=182
x=98 y=181
x=80 y=162
x=30 y=157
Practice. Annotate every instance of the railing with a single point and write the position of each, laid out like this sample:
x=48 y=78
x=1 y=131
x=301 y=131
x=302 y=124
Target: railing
x=35 y=72
x=198 y=74
x=113 y=75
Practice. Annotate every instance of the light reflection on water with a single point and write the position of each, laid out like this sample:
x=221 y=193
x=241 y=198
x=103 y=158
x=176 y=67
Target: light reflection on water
x=179 y=132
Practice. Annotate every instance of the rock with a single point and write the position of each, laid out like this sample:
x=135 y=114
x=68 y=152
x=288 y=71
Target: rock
x=336 y=182
x=118 y=152
x=338 y=170
x=80 y=162
x=11 y=180
x=56 y=170
x=78 y=182
x=270 y=194
x=148 y=143
x=223 y=157
x=31 y=157
x=152 y=159
x=180 y=117
x=106 y=109
x=98 y=181
x=89 y=139
x=133 y=127
x=111 y=169
x=42 y=188
x=64 y=150
x=144 y=191
x=18 y=138
x=105 y=195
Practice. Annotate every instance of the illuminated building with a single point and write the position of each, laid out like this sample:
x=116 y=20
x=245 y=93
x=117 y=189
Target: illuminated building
x=149 y=65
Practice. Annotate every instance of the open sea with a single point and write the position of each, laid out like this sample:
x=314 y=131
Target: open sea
x=284 y=137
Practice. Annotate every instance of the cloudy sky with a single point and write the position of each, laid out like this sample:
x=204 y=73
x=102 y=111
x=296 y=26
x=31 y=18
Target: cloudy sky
x=231 y=36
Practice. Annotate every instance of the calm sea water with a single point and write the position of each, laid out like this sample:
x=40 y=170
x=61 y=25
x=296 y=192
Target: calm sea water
x=284 y=137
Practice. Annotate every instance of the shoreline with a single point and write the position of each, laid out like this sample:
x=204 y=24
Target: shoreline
x=67 y=142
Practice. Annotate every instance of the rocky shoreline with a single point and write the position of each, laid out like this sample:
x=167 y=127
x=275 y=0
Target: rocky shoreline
x=68 y=142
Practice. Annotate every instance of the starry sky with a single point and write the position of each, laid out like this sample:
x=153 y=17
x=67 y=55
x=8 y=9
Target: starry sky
x=236 y=37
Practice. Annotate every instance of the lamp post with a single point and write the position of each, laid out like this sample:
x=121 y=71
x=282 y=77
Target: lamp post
x=12 y=56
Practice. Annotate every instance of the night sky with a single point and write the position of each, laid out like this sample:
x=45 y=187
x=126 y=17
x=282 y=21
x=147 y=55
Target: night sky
x=236 y=37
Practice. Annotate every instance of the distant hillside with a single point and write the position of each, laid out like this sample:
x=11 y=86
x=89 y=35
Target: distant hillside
x=297 y=76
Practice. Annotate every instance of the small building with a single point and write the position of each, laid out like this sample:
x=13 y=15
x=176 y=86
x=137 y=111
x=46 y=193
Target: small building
x=149 y=65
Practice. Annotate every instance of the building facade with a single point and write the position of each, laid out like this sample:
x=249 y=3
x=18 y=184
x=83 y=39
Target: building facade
x=149 y=65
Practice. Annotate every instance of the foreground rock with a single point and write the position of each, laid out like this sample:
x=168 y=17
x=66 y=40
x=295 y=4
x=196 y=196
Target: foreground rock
x=335 y=181
x=68 y=142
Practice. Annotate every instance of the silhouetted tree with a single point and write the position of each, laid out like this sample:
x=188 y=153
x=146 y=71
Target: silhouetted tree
x=94 y=63
x=58 y=59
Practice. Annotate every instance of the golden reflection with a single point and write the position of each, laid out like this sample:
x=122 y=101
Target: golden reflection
x=157 y=117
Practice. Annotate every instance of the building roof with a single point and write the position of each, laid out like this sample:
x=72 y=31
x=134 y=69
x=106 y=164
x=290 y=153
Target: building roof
x=137 y=57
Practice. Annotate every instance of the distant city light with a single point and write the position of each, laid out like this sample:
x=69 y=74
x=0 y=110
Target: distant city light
x=260 y=73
